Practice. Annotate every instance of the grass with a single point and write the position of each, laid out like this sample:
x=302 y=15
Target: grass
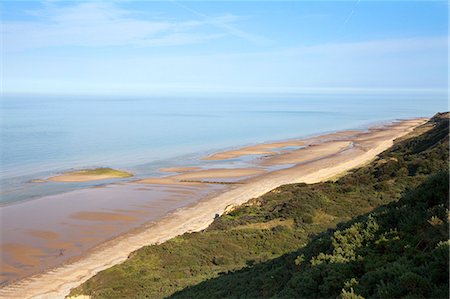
x=102 y=171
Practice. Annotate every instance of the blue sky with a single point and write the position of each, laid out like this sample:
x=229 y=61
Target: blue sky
x=173 y=47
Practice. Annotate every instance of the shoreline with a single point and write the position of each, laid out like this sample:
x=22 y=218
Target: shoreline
x=43 y=176
x=200 y=214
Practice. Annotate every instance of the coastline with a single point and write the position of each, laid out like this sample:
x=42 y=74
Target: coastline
x=176 y=164
x=197 y=216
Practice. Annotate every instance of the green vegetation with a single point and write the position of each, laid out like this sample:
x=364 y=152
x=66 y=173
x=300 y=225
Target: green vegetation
x=390 y=238
x=398 y=250
x=103 y=171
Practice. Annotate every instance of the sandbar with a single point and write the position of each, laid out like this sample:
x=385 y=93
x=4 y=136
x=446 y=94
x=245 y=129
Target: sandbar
x=259 y=149
x=101 y=216
x=180 y=169
x=195 y=177
x=87 y=175
x=312 y=152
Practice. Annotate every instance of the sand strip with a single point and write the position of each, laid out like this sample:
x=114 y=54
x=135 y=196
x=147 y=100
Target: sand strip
x=192 y=177
x=308 y=154
x=259 y=149
x=180 y=169
x=88 y=175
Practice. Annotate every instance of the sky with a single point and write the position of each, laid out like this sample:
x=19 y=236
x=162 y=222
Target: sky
x=178 y=47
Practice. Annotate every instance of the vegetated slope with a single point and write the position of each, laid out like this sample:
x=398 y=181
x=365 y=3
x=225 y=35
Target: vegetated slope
x=398 y=250
x=278 y=244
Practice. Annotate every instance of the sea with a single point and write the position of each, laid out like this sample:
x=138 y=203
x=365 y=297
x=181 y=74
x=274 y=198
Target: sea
x=43 y=135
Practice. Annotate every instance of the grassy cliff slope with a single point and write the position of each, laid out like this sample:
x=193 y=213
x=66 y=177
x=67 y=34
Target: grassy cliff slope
x=310 y=240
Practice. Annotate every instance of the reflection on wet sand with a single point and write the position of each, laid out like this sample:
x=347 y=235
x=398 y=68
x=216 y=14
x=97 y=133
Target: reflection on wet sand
x=44 y=233
x=192 y=178
x=101 y=216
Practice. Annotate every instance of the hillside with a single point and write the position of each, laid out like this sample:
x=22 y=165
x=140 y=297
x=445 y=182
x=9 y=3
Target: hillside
x=390 y=221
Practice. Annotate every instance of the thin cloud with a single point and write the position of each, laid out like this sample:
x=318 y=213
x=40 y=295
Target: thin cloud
x=388 y=64
x=352 y=12
x=174 y=39
x=103 y=24
x=349 y=17
x=225 y=23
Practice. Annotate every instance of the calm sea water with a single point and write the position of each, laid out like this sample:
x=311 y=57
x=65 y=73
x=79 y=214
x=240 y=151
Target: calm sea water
x=43 y=135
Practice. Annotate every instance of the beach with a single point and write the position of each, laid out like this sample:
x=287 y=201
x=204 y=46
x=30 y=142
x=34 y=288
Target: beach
x=196 y=196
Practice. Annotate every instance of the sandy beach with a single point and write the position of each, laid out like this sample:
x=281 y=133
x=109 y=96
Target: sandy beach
x=306 y=160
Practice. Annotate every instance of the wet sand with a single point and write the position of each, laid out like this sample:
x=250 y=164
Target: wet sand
x=55 y=229
x=321 y=159
x=70 y=178
x=101 y=216
x=259 y=149
x=88 y=175
x=44 y=234
x=180 y=169
x=198 y=176
x=309 y=153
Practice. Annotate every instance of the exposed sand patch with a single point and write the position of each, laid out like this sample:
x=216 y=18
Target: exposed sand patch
x=88 y=240
x=182 y=192
x=43 y=234
x=220 y=173
x=60 y=245
x=309 y=153
x=101 y=216
x=171 y=180
x=259 y=149
x=275 y=147
x=189 y=178
x=137 y=212
x=88 y=175
x=6 y=270
x=99 y=229
x=180 y=169
x=38 y=181
x=144 y=189
x=341 y=135
x=79 y=178
x=23 y=254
